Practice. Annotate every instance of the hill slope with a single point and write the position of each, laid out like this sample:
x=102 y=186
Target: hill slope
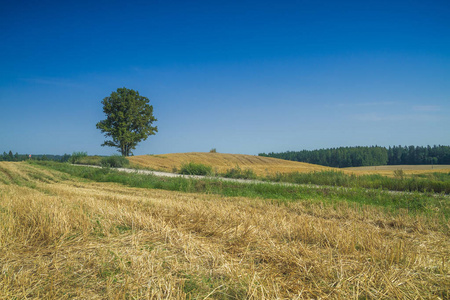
x=223 y=162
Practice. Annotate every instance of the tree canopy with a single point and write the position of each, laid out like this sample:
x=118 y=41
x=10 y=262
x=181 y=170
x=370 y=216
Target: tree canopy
x=343 y=157
x=129 y=119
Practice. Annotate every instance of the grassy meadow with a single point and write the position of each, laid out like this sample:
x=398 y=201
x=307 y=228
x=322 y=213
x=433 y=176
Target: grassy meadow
x=69 y=232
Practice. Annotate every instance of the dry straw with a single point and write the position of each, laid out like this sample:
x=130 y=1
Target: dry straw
x=62 y=238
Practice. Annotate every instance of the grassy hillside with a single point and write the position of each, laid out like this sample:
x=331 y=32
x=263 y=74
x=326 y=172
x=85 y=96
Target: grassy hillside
x=63 y=237
x=222 y=162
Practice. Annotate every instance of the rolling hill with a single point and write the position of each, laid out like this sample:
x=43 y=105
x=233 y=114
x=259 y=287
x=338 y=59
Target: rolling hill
x=222 y=162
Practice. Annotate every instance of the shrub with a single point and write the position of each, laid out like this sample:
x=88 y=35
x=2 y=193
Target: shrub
x=90 y=160
x=77 y=156
x=195 y=169
x=114 y=161
x=238 y=173
x=213 y=150
x=399 y=174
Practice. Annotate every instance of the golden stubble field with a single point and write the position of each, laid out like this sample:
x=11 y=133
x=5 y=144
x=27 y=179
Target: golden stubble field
x=221 y=162
x=66 y=238
x=263 y=166
x=407 y=169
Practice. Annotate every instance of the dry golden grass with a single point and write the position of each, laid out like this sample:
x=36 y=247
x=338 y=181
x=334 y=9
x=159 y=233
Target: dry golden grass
x=407 y=169
x=64 y=238
x=222 y=162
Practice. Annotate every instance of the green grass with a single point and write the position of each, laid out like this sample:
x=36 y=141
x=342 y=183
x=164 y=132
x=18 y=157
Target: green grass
x=192 y=168
x=89 y=160
x=434 y=183
x=238 y=173
x=114 y=161
x=413 y=203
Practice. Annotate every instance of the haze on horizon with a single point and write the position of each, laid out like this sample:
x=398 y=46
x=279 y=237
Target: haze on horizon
x=239 y=76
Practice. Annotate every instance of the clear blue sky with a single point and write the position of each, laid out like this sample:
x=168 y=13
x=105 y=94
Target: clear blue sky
x=239 y=76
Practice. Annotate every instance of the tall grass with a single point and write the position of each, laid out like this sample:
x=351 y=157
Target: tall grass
x=238 y=173
x=192 y=168
x=77 y=156
x=114 y=161
x=434 y=183
x=414 y=203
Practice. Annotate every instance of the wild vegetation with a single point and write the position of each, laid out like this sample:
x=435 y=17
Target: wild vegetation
x=22 y=157
x=264 y=166
x=270 y=169
x=192 y=168
x=114 y=161
x=344 y=157
x=222 y=162
x=66 y=237
x=428 y=182
x=239 y=173
x=417 y=203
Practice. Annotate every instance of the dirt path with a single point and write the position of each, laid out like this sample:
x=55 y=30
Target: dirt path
x=167 y=174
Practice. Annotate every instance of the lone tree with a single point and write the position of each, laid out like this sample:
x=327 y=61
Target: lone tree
x=129 y=119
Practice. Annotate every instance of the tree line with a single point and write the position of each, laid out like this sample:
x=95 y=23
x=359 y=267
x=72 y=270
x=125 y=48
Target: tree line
x=21 y=157
x=344 y=157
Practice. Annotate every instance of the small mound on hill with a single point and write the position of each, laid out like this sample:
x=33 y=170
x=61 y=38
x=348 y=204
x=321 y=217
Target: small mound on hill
x=221 y=162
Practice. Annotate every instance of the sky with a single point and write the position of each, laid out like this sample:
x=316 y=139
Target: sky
x=239 y=76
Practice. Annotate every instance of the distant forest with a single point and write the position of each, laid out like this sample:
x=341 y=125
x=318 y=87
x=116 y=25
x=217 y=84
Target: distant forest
x=344 y=157
x=21 y=157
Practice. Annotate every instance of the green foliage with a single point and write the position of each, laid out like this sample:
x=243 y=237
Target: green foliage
x=195 y=169
x=419 y=155
x=337 y=157
x=238 y=173
x=16 y=157
x=77 y=156
x=213 y=150
x=114 y=161
x=411 y=202
x=399 y=174
x=196 y=287
x=129 y=119
x=437 y=183
x=369 y=156
x=90 y=160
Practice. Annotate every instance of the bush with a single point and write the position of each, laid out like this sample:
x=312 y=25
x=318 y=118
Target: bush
x=77 y=156
x=399 y=174
x=213 y=150
x=114 y=161
x=90 y=160
x=195 y=169
x=238 y=173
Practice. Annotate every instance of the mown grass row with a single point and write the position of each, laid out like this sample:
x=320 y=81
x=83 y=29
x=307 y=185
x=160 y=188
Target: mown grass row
x=413 y=203
x=433 y=182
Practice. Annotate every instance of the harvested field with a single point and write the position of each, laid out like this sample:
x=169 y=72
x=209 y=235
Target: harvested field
x=407 y=169
x=62 y=238
x=222 y=162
